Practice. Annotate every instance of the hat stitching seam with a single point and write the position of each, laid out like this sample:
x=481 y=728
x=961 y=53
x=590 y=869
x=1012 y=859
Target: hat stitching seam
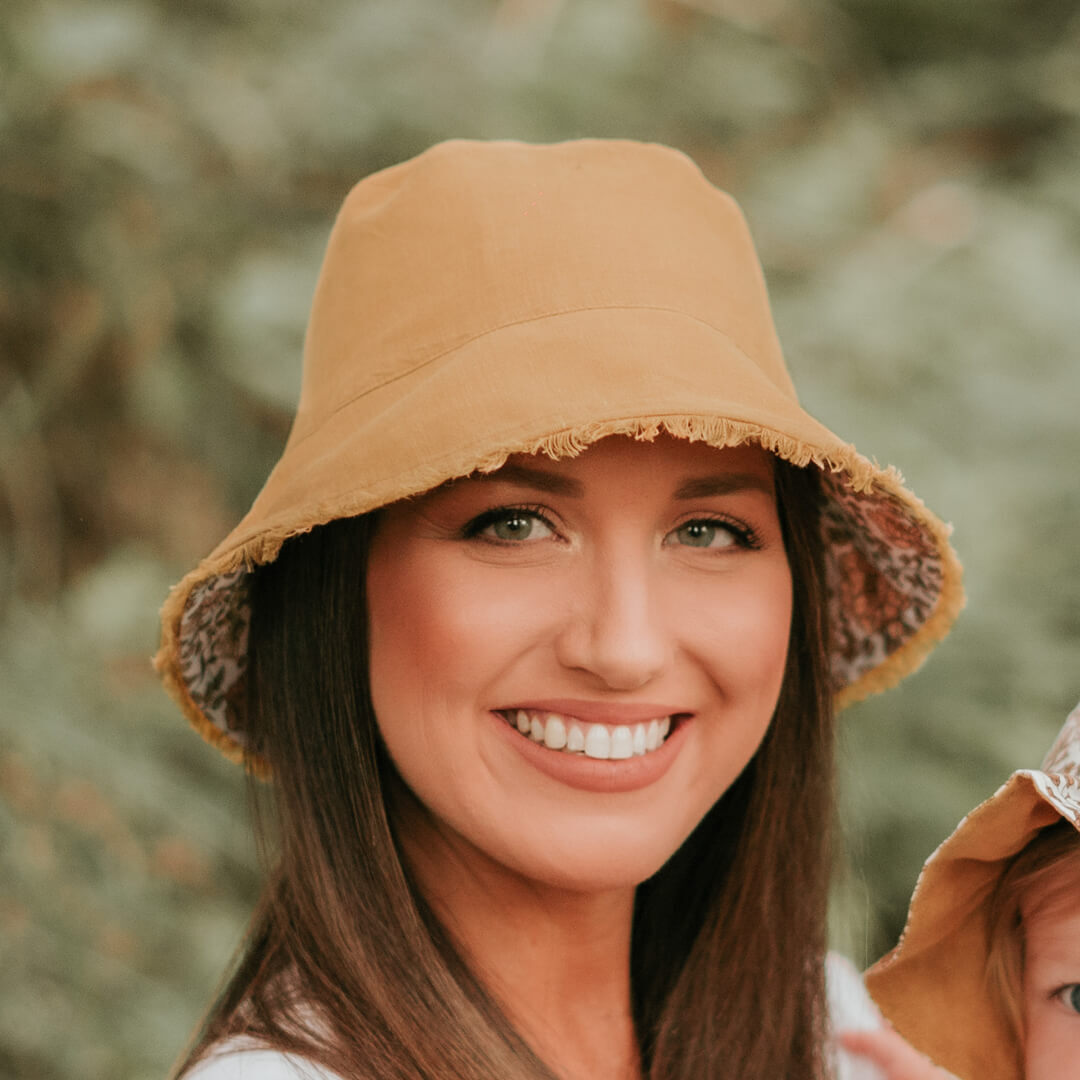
x=506 y=326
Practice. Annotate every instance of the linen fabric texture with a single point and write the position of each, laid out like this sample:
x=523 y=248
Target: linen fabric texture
x=485 y=299
x=932 y=986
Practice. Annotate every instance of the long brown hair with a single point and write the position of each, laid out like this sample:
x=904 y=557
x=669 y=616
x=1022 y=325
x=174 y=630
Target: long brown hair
x=345 y=963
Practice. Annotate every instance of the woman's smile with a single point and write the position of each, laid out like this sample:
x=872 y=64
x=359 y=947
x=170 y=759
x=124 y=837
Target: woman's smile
x=609 y=760
x=604 y=658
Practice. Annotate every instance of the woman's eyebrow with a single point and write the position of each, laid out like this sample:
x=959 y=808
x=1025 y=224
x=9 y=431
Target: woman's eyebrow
x=540 y=479
x=702 y=487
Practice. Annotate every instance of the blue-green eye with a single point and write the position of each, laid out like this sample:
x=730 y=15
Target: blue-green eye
x=510 y=525
x=704 y=534
x=711 y=534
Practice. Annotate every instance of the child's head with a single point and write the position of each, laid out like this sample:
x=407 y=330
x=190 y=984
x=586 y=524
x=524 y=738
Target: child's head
x=985 y=977
x=1033 y=962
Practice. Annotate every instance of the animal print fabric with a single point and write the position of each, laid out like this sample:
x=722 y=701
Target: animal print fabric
x=1059 y=781
x=213 y=649
x=883 y=574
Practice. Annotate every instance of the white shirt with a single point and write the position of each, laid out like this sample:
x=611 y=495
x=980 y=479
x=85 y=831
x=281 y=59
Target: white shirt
x=242 y=1059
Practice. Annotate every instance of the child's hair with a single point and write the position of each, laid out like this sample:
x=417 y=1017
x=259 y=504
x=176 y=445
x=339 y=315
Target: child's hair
x=1050 y=863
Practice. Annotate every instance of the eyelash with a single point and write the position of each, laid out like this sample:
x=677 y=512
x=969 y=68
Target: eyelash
x=744 y=536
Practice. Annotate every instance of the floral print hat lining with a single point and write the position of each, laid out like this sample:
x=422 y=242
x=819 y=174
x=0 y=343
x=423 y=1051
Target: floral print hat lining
x=487 y=299
x=933 y=986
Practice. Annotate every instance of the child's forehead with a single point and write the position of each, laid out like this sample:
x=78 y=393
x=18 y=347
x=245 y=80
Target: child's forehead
x=1052 y=935
x=1051 y=901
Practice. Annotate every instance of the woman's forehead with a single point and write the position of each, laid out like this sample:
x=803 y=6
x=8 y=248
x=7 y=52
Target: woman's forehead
x=665 y=455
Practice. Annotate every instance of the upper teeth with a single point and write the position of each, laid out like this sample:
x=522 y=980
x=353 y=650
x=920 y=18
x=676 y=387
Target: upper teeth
x=601 y=741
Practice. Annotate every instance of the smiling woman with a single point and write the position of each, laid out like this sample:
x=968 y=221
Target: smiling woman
x=600 y=627
x=536 y=632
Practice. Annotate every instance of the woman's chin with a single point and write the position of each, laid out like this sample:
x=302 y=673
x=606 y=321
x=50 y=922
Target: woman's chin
x=592 y=864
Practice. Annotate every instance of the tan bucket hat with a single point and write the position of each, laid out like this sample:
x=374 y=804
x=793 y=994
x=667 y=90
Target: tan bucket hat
x=933 y=986
x=485 y=299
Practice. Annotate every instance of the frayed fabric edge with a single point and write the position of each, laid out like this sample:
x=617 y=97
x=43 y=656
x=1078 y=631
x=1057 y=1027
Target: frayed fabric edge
x=861 y=475
x=714 y=431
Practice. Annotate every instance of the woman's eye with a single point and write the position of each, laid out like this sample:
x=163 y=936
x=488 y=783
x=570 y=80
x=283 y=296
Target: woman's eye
x=1069 y=996
x=709 y=534
x=509 y=526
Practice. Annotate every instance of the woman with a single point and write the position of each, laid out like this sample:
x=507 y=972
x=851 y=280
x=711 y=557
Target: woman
x=537 y=627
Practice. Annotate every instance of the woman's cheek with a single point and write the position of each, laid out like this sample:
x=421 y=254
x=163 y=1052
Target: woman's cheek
x=742 y=628
x=455 y=645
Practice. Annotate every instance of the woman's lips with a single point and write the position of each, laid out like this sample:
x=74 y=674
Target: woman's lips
x=597 y=771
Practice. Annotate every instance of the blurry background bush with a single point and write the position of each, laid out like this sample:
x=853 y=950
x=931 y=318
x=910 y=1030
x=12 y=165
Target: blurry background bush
x=168 y=175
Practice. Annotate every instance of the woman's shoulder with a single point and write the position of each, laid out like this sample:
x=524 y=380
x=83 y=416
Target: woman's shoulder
x=244 y=1059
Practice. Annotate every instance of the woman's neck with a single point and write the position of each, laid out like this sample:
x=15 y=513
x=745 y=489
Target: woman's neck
x=557 y=961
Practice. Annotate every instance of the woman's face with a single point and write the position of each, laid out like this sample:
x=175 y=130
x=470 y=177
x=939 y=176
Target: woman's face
x=1051 y=1000
x=571 y=661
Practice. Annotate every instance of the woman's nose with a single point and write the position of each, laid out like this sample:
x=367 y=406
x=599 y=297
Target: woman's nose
x=614 y=630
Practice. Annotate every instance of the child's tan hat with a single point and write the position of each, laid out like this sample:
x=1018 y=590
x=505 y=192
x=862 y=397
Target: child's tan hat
x=485 y=299
x=933 y=986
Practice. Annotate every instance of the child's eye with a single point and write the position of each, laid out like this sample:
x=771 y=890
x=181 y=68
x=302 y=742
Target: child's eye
x=711 y=533
x=1069 y=996
x=509 y=524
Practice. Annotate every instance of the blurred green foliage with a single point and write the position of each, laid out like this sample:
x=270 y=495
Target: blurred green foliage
x=168 y=175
